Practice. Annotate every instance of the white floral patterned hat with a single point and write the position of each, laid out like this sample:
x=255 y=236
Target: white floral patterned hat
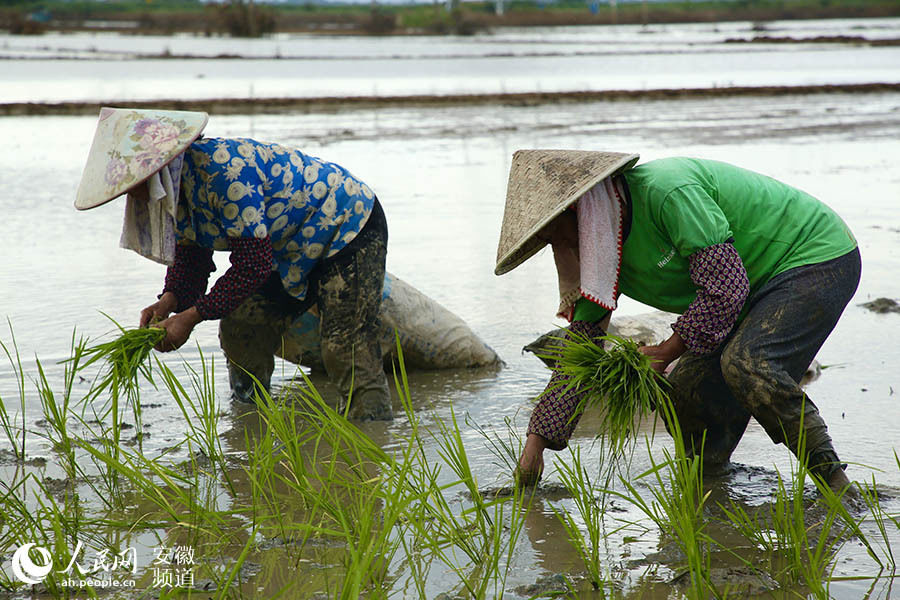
x=129 y=146
x=542 y=184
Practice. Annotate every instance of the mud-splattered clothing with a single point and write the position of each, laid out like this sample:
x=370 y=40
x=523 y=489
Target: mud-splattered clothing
x=721 y=291
x=757 y=371
x=301 y=231
x=309 y=209
x=346 y=289
x=724 y=246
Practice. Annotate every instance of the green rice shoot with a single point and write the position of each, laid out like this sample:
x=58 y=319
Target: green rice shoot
x=126 y=359
x=125 y=356
x=610 y=373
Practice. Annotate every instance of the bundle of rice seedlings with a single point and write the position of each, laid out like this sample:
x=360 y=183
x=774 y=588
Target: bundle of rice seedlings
x=610 y=373
x=125 y=357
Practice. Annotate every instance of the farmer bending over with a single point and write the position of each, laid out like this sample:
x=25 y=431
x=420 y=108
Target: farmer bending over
x=302 y=232
x=758 y=271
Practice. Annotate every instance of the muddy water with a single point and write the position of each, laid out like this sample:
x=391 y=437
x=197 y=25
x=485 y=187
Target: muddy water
x=441 y=177
x=110 y=67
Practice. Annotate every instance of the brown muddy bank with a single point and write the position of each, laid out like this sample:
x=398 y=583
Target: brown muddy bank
x=242 y=106
x=819 y=39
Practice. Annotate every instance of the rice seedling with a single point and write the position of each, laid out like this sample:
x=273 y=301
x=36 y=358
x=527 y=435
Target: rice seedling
x=15 y=435
x=57 y=414
x=485 y=521
x=589 y=496
x=505 y=449
x=379 y=521
x=867 y=495
x=34 y=516
x=126 y=359
x=385 y=510
x=614 y=376
x=200 y=410
x=809 y=547
x=799 y=537
x=347 y=484
x=125 y=356
x=677 y=505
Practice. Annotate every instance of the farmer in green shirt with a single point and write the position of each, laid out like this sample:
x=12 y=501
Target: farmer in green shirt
x=758 y=271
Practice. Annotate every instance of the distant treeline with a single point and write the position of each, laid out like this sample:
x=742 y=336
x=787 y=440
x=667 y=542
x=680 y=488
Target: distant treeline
x=247 y=18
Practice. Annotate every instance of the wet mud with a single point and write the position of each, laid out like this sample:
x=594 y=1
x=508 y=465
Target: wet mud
x=882 y=306
x=549 y=490
x=820 y=39
x=241 y=106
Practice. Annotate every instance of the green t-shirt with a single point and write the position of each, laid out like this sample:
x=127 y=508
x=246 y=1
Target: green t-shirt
x=682 y=205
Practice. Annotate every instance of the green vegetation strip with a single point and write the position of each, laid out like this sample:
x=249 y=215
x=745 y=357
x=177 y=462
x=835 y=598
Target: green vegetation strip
x=242 y=106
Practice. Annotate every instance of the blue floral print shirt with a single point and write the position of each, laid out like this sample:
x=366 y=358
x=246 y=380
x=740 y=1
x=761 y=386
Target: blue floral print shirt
x=240 y=188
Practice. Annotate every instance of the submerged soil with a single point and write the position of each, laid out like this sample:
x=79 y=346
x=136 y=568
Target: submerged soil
x=882 y=305
x=240 y=106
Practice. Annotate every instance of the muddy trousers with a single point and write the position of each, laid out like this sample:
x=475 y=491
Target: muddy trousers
x=346 y=290
x=756 y=371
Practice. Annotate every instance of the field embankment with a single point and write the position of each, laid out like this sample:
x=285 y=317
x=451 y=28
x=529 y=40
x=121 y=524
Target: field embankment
x=240 y=106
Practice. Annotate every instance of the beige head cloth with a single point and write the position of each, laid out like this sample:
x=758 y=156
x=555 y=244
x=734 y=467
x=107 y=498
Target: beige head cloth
x=129 y=146
x=542 y=184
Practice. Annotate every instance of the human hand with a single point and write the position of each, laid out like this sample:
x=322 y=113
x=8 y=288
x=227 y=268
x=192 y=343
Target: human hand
x=531 y=463
x=662 y=355
x=159 y=310
x=178 y=329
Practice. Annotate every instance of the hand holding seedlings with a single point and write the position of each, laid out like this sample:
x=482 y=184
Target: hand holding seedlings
x=178 y=329
x=159 y=310
x=662 y=355
x=620 y=380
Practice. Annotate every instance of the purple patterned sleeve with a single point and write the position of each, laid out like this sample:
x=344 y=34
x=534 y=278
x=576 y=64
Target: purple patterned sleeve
x=555 y=416
x=188 y=276
x=251 y=265
x=722 y=288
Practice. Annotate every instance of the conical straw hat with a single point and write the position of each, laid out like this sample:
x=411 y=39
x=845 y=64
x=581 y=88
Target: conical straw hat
x=542 y=184
x=129 y=146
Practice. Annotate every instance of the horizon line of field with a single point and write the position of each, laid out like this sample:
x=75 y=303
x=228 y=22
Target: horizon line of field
x=243 y=105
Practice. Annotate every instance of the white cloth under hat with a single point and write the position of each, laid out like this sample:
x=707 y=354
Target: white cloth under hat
x=149 y=225
x=593 y=271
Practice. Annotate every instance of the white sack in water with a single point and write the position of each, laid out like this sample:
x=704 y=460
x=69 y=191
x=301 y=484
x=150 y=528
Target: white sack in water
x=431 y=336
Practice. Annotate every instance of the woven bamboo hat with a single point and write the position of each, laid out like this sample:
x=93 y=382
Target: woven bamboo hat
x=542 y=184
x=129 y=146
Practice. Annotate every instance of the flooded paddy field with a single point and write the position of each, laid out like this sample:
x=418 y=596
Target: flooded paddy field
x=441 y=176
x=109 y=67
